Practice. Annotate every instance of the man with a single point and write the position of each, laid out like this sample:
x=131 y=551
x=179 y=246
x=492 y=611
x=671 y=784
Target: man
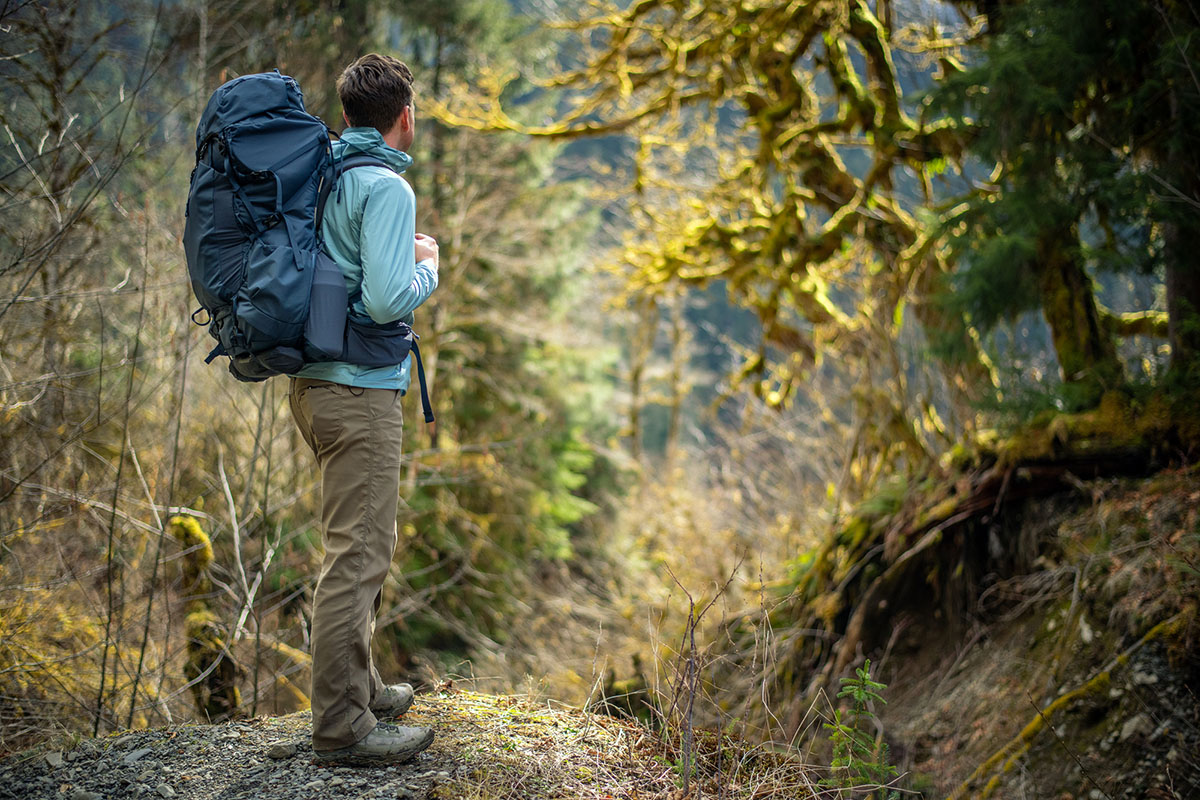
x=350 y=416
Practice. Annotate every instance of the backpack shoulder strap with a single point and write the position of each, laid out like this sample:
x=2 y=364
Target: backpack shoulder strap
x=348 y=163
x=339 y=168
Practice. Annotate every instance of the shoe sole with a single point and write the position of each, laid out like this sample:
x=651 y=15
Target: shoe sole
x=349 y=757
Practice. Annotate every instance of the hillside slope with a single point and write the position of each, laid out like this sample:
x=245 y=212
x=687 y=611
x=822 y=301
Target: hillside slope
x=1079 y=678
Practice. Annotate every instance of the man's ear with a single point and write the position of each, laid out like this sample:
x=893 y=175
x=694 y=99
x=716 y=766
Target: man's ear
x=406 y=118
x=346 y=120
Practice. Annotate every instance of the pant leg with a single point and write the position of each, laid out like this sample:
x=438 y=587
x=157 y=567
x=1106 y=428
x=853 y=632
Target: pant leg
x=356 y=435
x=376 y=679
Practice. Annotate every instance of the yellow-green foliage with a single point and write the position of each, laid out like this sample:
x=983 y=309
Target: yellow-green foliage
x=49 y=662
x=196 y=561
x=210 y=667
x=189 y=533
x=1118 y=421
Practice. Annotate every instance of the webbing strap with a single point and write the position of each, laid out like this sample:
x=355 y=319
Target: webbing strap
x=237 y=187
x=426 y=406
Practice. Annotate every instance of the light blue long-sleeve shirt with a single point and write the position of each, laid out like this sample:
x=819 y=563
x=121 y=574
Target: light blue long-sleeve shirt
x=369 y=229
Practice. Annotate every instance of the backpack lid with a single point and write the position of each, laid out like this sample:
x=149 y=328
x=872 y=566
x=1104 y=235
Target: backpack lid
x=245 y=97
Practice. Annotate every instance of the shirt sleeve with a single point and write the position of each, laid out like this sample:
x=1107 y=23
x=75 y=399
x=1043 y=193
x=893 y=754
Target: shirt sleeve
x=393 y=284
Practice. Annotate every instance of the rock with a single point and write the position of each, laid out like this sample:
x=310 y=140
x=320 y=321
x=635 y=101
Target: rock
x=55 y=759
x=1144 y=679
x=164 y=790
x=315 y=786
x=281 y=750
x=443 y=776
x=137 y=755
x=335 y=782
x=1137 y=724
x=84 y=794
x=1086 y=634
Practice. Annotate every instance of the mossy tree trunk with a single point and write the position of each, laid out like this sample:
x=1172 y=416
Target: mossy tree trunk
x=211 y=672
x=1085 y=350
x=1183 y=297
x=1181 y=241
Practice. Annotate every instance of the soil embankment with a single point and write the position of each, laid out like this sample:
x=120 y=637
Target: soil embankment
x=1077 y=679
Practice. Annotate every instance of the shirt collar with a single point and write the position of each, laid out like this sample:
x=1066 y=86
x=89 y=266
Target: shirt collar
x=369 y=141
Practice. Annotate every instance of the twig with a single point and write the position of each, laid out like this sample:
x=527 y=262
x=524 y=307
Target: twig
x=235 y=527
x=159 y=544
x=1070 y=752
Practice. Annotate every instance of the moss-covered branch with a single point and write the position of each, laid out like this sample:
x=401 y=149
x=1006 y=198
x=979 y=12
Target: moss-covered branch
x=1141 y=323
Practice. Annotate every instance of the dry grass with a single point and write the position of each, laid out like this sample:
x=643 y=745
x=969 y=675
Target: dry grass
x=518 y=749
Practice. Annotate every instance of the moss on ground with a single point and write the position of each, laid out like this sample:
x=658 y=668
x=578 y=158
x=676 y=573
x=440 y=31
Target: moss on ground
x=519 y=748
x=516 y=748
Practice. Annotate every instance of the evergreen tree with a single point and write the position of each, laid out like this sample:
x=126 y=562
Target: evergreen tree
x=1088 y=111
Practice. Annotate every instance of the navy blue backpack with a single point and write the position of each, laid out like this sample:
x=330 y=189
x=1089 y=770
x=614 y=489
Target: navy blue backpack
x=275 y=300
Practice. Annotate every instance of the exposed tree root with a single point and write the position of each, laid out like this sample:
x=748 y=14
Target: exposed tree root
x=872 y=568
x=982 y=496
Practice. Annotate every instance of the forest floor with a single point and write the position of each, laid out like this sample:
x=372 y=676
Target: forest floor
x=1079 y=679
x=487 y=748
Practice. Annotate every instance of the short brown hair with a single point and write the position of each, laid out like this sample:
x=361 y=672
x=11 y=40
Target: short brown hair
x=374 y=90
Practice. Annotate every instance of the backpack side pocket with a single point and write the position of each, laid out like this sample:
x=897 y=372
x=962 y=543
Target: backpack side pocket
x=325 y=331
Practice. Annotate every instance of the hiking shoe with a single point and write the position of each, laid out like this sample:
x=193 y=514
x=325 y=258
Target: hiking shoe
x=392 y=701
x=386 y=744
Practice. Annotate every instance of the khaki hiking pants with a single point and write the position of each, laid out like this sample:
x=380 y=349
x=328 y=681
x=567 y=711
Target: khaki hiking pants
x=356 y=435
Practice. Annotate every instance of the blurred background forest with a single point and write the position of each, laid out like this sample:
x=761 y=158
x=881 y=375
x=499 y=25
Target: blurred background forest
x=760 y=325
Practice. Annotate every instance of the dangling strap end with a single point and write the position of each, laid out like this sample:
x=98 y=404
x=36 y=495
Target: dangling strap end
x=426 y=406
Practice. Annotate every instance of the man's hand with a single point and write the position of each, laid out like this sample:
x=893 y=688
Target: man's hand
x=427 y=248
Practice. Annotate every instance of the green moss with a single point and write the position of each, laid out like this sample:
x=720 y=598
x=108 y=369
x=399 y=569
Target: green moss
x=187 y=530
x=853 y=533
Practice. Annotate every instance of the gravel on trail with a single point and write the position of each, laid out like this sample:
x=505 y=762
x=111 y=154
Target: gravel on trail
x=260 y=758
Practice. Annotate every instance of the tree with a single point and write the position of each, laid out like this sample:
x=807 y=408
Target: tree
x=1084 y=108
x=520 y=396
x=775 y=152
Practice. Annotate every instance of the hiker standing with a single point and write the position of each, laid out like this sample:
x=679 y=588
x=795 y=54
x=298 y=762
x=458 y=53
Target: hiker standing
x=350 y=417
